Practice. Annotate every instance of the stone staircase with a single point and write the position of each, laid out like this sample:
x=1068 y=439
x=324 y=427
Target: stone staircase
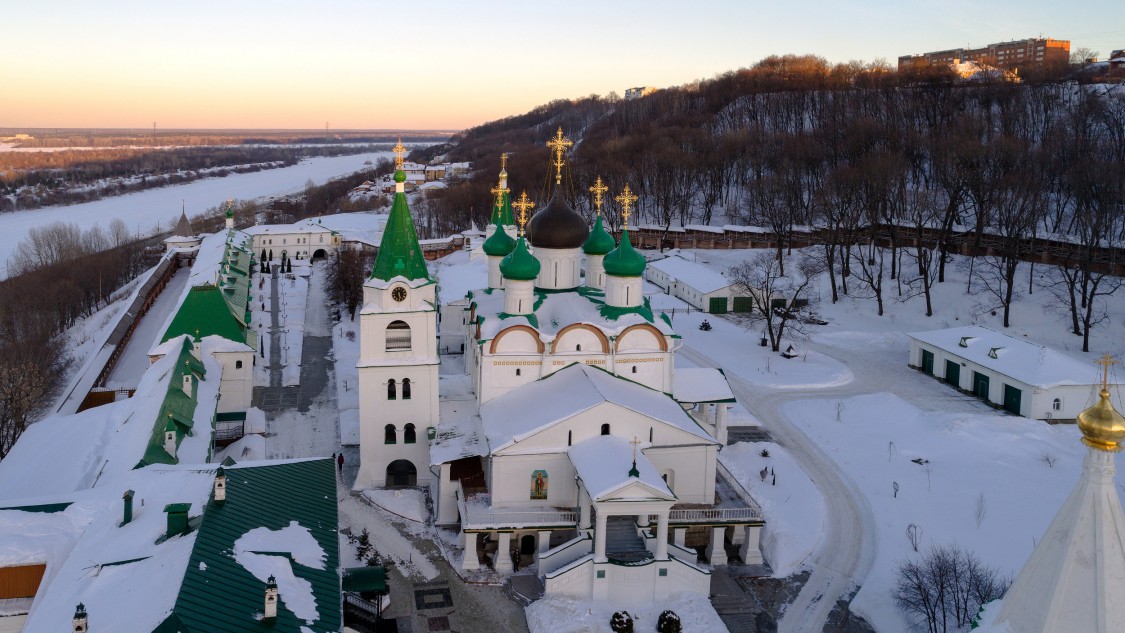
x=622 y=541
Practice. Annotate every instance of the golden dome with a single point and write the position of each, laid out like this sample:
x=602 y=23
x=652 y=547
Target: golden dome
x=1101 y=425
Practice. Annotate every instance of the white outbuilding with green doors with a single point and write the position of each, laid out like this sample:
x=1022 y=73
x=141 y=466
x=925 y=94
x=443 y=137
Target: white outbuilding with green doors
x=1009 y=373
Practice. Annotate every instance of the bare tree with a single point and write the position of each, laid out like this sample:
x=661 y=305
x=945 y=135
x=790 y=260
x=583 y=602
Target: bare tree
x=346 y=274
x=945 y=590
x=780 y=301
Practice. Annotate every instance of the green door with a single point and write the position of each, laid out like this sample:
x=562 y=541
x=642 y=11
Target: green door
x=980 y=385
x=952 y=373
x=743 y=304
x=718 y=305
x=1012 y=398
x=928 y=362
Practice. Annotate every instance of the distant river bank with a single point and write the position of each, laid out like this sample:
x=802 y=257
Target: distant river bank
x=144 y=210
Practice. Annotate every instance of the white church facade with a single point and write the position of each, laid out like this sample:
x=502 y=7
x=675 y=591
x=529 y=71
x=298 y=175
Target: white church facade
x=570 y=452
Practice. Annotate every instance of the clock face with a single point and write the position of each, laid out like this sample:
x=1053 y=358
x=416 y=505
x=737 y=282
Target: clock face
x=399 y=294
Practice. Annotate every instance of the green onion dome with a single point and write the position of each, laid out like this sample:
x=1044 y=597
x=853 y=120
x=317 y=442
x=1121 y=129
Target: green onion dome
x=600 y=241
x=499 y=244
x=519 y=265
x=230 y=212
x=400 y=176
x=624 y=261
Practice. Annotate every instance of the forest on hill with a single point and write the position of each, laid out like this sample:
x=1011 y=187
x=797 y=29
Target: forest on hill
x=848 y=150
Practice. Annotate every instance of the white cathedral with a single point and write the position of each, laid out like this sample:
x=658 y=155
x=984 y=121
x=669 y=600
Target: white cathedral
x=580 y=451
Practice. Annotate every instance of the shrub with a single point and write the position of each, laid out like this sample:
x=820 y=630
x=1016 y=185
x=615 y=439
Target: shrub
x=621 y=622
x=669 y=622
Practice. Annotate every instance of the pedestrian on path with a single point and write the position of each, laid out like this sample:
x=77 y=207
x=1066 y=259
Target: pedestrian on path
x=340 y=463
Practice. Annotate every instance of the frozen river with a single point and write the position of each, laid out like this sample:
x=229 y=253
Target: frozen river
x=144 y=210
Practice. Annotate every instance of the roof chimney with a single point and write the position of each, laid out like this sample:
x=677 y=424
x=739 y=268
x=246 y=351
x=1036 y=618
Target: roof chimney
x=220 y=485
x=271 y=599
x=177 y=518
x=80 y=619
x=128 y=507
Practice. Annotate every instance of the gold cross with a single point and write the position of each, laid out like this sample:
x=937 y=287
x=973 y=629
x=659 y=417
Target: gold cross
x=559 y=145
x=504 y=161
x=1105 y=361
x=499 y=193
x=400 y=151
x=598 y=190
x=635 y=443
x=523 y=204
x=627 y=198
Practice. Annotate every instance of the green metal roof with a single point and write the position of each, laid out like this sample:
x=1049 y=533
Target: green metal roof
x=507 y=218
x=600 y=241
x=399 y=253
x=223 y=596
x=519 y=265
x=499 y=244
x=624 y=261
x=177 y=410
x=365 y=579
x=205 y=312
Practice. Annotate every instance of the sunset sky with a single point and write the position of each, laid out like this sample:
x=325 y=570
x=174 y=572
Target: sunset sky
x=448 y=65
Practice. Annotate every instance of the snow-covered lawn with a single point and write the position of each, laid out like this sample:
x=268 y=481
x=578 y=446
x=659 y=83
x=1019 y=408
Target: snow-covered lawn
x=792 y=505
x=408 y=504
x=564 y=615
x=345 y=347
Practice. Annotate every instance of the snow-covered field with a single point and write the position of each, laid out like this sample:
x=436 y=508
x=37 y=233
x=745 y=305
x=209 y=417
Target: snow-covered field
x=145 y=210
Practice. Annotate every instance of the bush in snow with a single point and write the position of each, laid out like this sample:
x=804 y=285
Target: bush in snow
x=765 y=452
x=363 y=546
x=946 y=588
x=669 y=622
x=621 y=622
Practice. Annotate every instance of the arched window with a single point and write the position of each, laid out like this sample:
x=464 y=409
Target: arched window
x=398 y=336
x=569 y=437
x=238 y=364
x=1056 y=404
x=392 y=394
x=578 y=348
x=634 y=369
x=389 y=435
x=517 y=371
x=605 y=429
x=650 y=434
x=405 y=388
x=408 y=434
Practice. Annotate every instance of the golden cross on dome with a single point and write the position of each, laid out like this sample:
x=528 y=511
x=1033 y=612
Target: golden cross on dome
x=627 y=198
x=1105 y=361
x=635 y=443
x=523 y=204
x=598 y=190
x=559 y=145
x=499 y=193
x=504 y=161
x=400 y=150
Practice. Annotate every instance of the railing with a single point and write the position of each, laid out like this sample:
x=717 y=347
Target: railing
x=227 y=433
x=705 y=515
x=472 y=518
x=361 y=614
x=738 y=489
x=565 y=554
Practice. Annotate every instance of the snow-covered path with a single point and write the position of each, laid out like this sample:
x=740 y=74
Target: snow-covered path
x=134 y=360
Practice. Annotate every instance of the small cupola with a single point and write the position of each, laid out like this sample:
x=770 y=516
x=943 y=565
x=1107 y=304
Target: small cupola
x=170 y=436
x=177 y=518
x=187 y=379
x=220 y=485
x=270 y=610
x=79 y=624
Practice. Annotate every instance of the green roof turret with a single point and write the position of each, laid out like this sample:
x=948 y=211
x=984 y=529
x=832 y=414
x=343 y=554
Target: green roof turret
x=230 y=211
x=624 y=261
x=600 y=241
x=520 y=264
x=499 y=244
x=400 y=255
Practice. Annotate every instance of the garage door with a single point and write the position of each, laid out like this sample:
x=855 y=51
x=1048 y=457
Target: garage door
x=952 y=373
x=743 y=304
x=980 y=385
x=928 y=362
x=1012 y=397
x=718 y=305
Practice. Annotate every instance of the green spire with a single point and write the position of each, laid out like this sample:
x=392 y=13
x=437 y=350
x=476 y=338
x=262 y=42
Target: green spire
x=633 y=472
x=600 y=242
x=624 y=261
x=399 y=252
x=519 y=265
x=507 y=218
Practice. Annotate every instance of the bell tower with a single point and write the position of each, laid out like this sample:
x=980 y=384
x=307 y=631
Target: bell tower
x=398 y=359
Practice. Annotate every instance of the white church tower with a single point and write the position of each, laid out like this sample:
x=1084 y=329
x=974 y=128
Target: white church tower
x=398 y=361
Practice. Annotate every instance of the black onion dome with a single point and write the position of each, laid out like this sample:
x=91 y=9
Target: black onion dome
x=557 y=226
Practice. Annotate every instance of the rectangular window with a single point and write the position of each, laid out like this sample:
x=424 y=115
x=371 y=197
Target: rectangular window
x=663 y=572
x=601 y=573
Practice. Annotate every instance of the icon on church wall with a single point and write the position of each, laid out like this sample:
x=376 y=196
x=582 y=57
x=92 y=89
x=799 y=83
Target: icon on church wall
x=539 y=484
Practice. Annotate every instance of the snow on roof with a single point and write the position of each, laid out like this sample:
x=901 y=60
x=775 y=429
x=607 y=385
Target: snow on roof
x=531 y=408
x=691 y=274
x=700 y=384
x=1022 y=360
x=458 y=273
x=556 y=310
x=603 y=463
x=127 y=577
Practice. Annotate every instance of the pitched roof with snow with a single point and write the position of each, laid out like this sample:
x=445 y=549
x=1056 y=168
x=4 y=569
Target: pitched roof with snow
x=1022 y=360
x=523 y=412
x=603 y=464
x=701 y=384
x=697 y=276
